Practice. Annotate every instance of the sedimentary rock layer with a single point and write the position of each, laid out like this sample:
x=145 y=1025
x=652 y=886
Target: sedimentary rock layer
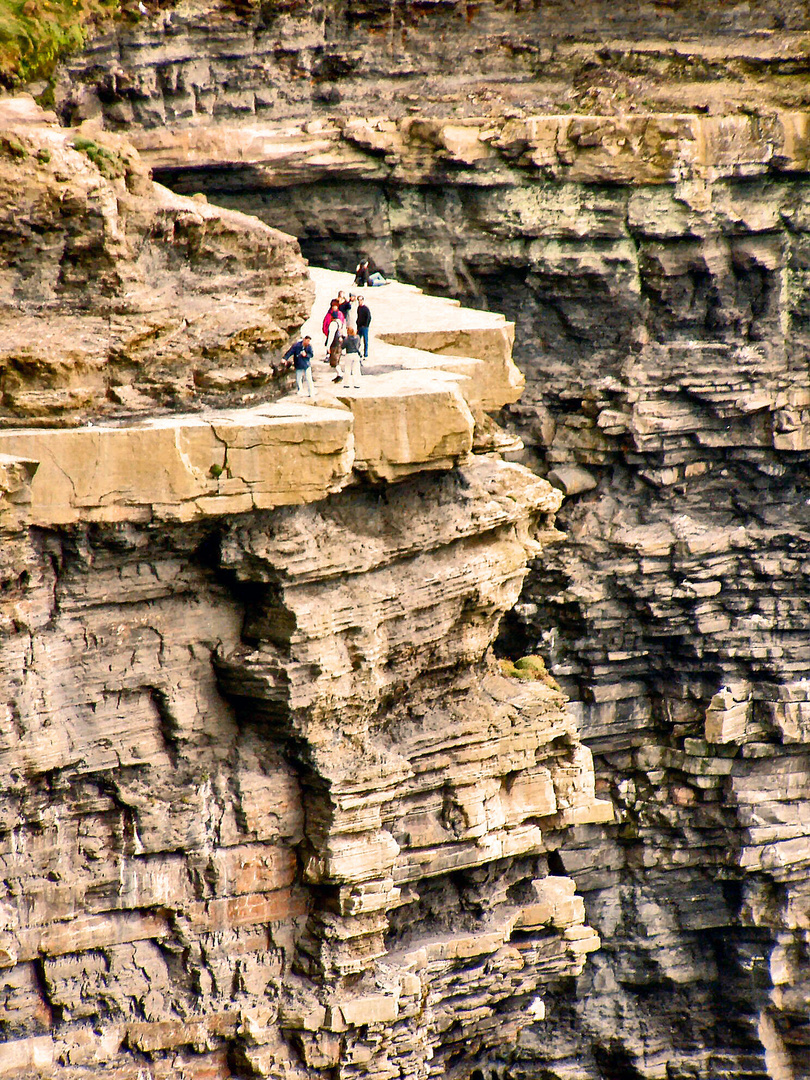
x=204 y=62
x=652 y=250
x=268 y=804
x=659 y=302
x=258 y=783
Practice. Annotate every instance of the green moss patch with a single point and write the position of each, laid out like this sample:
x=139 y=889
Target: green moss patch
x=35 y=33
x=529 y=669
x=108 y=162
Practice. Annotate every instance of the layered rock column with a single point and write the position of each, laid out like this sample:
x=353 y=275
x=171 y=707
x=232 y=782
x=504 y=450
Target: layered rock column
x=342 y=862
x=268 y=804
x=421 y=769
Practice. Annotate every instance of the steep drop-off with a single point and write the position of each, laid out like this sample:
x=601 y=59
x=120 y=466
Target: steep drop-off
x=630 y=186
x=269 y=806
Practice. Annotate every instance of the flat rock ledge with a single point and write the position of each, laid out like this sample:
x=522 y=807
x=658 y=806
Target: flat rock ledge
x=416 y=409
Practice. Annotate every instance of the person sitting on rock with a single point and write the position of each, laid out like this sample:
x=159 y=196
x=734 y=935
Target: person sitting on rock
x=301 y=353
x=367 y=273
x=333 y=315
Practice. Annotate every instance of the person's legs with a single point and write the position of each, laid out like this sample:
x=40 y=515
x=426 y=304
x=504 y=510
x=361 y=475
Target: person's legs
x=377 y=279
x=354 y=371
x=310 y=383
x=364 y=338
x=299 y=379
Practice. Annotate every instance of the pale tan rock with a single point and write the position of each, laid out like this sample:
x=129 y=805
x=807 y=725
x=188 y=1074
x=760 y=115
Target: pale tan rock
x=105 y=473
x=18 y=1056
x=372 y=1009
x=410 y=426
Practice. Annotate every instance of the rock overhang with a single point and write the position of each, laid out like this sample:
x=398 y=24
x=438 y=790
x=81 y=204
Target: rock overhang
x=416 y=410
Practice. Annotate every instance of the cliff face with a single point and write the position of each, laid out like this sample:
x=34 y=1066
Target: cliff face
x=224 y=60
x=234 y=842
x=268 y=804
x=631 y=188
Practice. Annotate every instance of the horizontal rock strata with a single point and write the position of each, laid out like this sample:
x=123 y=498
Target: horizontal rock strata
x=627 y=183
x=297 y=874
x=210 y=62
x=655 y=271
x=268 y=804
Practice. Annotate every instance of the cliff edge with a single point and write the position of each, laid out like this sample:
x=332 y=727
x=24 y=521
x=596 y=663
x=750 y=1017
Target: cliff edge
x=269 y=807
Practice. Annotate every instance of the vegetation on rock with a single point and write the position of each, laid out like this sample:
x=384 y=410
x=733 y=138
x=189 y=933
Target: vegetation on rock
x=35 y=33
x=530 y=669
x=108 y=162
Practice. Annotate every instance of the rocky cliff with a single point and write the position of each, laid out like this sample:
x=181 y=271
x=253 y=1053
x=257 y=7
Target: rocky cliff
x=269 y=806
x=630 y=187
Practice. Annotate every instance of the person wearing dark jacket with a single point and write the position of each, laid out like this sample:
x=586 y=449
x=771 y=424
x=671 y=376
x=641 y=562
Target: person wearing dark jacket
x=352 y=362
x=363 y=323
x=368 y=274
x=301 y=353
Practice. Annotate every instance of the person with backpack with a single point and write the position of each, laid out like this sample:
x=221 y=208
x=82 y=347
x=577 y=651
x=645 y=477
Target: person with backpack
x=334 y=342
x=333 y=315
x=301 y=353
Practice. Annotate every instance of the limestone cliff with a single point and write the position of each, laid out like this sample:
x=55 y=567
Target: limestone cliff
x=629 y=184
x=268 y=804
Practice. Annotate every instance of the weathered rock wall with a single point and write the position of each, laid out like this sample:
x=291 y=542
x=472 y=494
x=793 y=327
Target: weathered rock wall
x=269 y=806
x=118 y=299
x=202 y=62
x=663 y=332
x=259 y=783
x=656 y=269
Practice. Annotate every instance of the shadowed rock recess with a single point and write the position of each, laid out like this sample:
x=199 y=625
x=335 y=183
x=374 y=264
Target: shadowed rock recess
x=629 y=184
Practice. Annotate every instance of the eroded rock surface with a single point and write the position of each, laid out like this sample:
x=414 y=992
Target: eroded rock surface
x=118 y=298
x=268 y=804
x=630 y=187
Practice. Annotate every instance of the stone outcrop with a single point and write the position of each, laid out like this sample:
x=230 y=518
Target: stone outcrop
x=268 y=804
x=118 y=298
x=630 y=187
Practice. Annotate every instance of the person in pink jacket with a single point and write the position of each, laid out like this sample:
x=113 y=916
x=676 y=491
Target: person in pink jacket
x=334 y=314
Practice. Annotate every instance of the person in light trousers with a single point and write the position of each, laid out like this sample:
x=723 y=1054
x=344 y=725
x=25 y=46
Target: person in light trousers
x=351 y=354
x=301 y=352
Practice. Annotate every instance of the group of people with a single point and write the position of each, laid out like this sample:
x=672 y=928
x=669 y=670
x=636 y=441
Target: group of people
x=346 y=339
x=346 y=329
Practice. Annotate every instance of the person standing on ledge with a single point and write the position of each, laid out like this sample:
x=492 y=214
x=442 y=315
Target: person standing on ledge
x=301 y=352
x=352 y=362
x=363 y=323
x=333 y=315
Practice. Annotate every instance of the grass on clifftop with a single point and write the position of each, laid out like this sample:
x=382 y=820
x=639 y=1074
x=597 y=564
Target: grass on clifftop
x=35 y=33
